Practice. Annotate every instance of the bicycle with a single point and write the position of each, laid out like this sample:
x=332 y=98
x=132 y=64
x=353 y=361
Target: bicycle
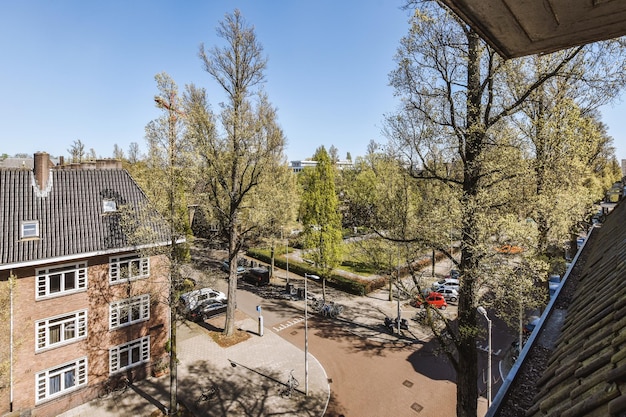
x=331 y=309
x=317 y=305
x=208 y=394
x=290 y=386
x=111 y=386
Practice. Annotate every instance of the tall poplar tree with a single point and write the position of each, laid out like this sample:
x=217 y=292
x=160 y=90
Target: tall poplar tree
x=244 y=153
x=319 y=215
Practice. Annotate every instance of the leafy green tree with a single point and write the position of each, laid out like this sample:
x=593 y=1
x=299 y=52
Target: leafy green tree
x=246 y=151
x=456 y=129
x=7 y=292
x=319 y=215
x=569 y=152
x=275 y=205
x=166 y=181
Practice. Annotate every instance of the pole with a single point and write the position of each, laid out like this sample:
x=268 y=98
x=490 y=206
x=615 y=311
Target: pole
x=489 y=365
x=482 y=311
x=306 y=338
x=398 y=298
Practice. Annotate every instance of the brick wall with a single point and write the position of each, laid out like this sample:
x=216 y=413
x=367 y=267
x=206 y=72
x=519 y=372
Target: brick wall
x=27 y=311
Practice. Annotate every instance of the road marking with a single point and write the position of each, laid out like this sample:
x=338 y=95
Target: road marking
x=287 y=324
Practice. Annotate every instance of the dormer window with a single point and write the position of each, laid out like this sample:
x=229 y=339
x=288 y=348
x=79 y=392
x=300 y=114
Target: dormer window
x=109 y=206
x=30 y=229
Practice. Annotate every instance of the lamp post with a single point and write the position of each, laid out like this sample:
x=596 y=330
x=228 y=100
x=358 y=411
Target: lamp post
x=306 y=332
x=482 y=311
x=286 y=253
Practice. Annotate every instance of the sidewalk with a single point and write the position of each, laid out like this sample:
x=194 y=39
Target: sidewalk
x=249 y=377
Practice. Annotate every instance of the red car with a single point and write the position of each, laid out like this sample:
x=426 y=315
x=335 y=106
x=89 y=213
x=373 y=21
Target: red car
x=435 y=299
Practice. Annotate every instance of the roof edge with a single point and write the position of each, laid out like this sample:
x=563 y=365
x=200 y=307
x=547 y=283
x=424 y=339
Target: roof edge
x=36 y=262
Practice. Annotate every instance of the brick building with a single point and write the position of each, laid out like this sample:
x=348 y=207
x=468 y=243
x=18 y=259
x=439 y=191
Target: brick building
x=80 y=303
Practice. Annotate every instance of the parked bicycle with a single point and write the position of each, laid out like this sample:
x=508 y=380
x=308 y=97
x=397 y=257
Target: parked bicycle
x=113 y=386
x=290 y=386
x=317 y=305
x=208 y=394
x=330 y=309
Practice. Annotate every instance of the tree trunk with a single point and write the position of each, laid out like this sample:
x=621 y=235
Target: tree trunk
x=173 y=363
x=233 y=236
x=467 y=372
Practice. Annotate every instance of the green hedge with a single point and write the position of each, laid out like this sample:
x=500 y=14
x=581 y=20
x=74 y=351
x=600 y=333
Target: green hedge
x=357 y=286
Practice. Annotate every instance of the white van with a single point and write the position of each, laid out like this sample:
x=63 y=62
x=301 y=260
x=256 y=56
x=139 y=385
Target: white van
x=193 y=299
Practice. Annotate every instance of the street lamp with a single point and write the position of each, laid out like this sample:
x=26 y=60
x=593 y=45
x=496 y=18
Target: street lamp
x=482 y=311
x=306 y=332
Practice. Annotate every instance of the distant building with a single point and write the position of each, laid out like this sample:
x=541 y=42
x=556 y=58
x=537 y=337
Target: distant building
x=83 y=304
x=298 y=166
x=623 y=168
x=23 y=163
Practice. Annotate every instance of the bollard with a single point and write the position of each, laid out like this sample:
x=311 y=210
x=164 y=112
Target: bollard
x=258 y=308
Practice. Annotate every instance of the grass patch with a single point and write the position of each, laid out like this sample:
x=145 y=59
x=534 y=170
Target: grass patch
x=358 y=268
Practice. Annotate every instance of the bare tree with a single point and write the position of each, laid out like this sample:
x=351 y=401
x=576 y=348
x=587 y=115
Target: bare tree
x=133 y=153
x=77 y=151
x=118 y=153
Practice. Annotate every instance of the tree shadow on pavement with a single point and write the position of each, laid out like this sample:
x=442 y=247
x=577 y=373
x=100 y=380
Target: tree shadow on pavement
x=241 y=391
x=432 y=362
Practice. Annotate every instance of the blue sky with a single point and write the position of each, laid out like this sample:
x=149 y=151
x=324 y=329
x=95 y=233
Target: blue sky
x=85 y=69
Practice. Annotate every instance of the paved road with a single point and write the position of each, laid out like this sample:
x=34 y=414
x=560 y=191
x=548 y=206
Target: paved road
x=372 y=373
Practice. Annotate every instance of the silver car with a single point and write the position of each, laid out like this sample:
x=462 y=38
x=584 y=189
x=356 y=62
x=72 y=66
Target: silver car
x=449 y=293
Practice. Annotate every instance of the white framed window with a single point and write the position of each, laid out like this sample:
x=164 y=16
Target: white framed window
x=61 y=380
x=128 y=355
x=129 y=311
x=128 y=268
x=61 y=280
x=29 y=229
x=109 y=206
x=61 y=330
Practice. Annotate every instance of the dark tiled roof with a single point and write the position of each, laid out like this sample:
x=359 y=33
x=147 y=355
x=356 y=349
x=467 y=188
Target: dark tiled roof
x=71 y=217
x=584 y=372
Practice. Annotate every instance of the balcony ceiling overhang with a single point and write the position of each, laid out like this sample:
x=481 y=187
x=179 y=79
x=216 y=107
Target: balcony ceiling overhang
x=517 y=28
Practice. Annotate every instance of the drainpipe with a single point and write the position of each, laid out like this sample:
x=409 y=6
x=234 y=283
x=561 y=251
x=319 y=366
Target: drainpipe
x=11 y=280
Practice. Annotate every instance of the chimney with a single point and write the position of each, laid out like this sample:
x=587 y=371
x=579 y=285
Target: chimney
x=108 y=164
x=41 y=170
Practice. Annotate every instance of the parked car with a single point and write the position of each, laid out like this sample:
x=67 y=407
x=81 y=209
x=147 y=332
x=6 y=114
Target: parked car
x=434 y=299
x=206 y=310
x=450 y=282
x=449 y=293
x=226 y=267
x=192 y=299
x=257 y=276
x=454 y=274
